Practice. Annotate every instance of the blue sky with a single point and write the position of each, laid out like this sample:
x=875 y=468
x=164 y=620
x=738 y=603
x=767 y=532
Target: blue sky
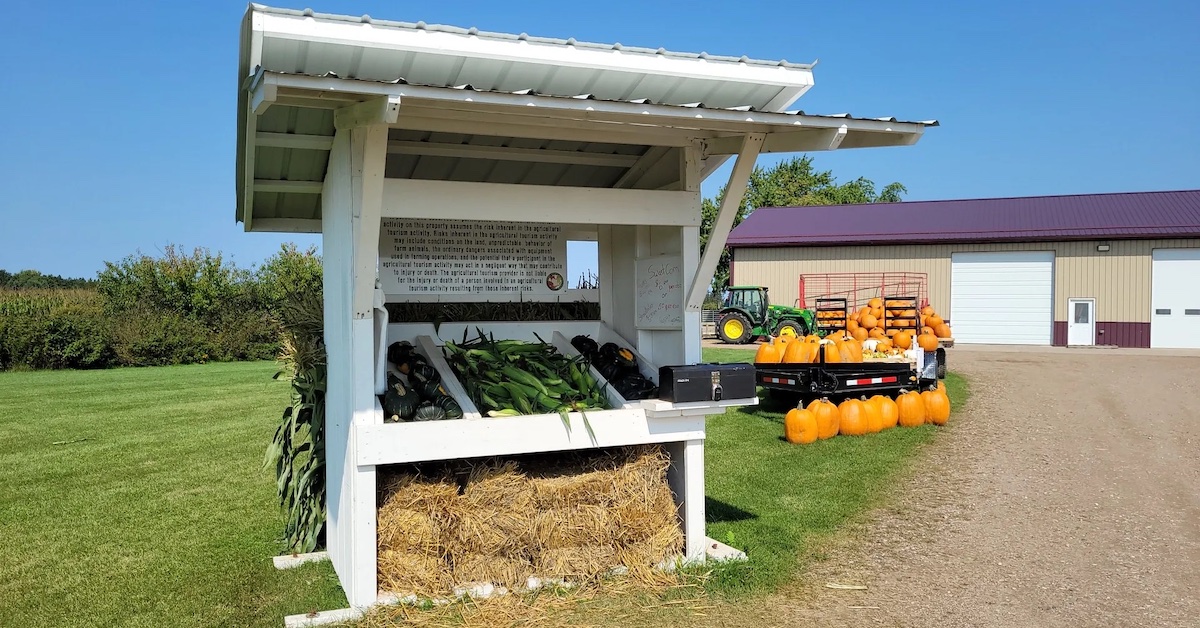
x=117 y=120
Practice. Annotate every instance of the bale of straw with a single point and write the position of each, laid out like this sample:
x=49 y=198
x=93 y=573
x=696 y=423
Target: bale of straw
x=423 y=493
x=584 y=562
x=405 y=573
x=404 y=530
x=557 y=528
x=503 y=571
x=644 y=512
x=493 y=513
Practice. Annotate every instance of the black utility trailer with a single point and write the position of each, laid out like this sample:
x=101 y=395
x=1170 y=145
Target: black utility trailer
x=841 y=380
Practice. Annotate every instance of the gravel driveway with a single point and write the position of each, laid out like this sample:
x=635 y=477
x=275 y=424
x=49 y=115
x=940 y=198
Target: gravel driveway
x=1068 y=494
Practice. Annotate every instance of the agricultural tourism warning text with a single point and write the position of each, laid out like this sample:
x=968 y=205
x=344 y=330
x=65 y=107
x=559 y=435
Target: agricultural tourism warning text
x=430 y=256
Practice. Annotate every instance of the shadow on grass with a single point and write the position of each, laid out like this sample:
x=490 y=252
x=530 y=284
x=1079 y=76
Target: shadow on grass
x=717 y=511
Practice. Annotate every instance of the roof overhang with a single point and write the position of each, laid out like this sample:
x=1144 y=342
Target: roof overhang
x=297 y=69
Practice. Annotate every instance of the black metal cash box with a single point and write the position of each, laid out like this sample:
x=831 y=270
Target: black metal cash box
x=706 y=382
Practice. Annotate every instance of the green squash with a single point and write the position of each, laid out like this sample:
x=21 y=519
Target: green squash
x=432 y=390
x=400 y=401
x=429 y=412
x=453 y=410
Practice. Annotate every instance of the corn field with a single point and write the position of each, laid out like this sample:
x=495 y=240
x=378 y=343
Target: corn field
x=40 y=303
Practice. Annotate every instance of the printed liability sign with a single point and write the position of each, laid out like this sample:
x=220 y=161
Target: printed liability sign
x=433 y=256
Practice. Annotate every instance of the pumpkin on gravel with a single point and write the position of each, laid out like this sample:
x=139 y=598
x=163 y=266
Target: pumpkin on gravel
x=800 y=426
x=912 y=409
x=937 y=406
x=828 y=417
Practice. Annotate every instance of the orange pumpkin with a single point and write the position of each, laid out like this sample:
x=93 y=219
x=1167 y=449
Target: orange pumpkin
x=846 y=350
x=884 y=346
x=934 y=320
x=876 y=333
x=831 y=352
x=903 y=340
x=780 y=342
x=874 y=416
x=891 y=333
x=812 y=338
x=937 y=406
x=852 y=326
x=854 y=420
x=875 y=303
x=860 y=334
x=926 y=330
x=877 y=312
x=912 y=409
x=927 y=310
x=888 y=409
x=799 y=353
x=800 y=426
x=828 y=417
x=767 y=354
x=869 y=322
x=928 y=342
x=942 y=331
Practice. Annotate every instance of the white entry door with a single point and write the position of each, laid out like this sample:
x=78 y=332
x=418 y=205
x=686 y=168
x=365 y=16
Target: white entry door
x=1081 y=328
x=1004 y=297
x=1174 y=300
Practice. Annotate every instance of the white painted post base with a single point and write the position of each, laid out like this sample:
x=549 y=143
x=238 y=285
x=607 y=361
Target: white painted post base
x=291 y=561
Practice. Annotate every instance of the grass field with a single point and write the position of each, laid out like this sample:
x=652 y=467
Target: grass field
x=136 y=497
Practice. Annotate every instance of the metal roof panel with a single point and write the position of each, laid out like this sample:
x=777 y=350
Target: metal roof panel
x=1034 y=218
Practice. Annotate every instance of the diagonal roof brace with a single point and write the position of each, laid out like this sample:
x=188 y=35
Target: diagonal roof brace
x=735 y=189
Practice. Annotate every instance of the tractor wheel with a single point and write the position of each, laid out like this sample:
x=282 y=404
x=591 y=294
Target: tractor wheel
x=734 y=328
x=791 y=327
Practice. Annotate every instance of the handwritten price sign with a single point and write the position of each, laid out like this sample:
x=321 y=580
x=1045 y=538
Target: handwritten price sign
x=658 y=301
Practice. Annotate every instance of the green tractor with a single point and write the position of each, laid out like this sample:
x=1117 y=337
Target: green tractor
x=747 y=313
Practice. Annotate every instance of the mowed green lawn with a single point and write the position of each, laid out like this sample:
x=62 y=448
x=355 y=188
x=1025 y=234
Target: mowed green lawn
x=159 y=514
x=155 y=509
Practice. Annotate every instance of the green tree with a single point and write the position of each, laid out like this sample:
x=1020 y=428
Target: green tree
x=790 y=183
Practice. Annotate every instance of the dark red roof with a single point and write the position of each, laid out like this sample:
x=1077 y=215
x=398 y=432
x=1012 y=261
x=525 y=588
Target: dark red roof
x=1132 y=215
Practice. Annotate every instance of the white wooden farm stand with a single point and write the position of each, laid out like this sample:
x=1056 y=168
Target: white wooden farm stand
x=344 y=122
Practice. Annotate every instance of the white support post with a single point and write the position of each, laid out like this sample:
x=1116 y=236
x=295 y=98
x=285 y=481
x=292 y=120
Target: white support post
x=734 y=191
x=686 y=476
x=351 y=204
x=691 y=177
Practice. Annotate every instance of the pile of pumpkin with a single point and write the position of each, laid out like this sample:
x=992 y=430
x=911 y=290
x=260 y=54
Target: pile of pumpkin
x=895 y=328
x=836 y=347
x=856 y=417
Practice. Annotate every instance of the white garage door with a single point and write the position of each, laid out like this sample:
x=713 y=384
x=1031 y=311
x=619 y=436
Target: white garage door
x=1174 y=301
x=1002 y=298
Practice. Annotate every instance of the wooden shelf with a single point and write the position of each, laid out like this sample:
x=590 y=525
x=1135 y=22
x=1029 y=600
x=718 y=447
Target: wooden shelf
x=391 y=443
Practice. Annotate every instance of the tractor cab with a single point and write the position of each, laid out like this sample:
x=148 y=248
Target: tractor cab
x=750 y=299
